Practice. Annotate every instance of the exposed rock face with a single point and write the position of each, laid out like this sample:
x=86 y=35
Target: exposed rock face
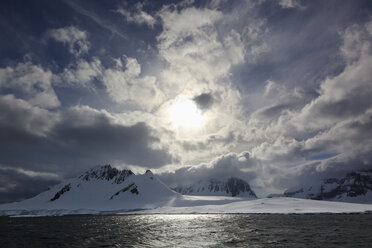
x=132 y=187
x=61 y=192
x=231 y=187
x=124 y=174
x=108 y=173
x=353 y=185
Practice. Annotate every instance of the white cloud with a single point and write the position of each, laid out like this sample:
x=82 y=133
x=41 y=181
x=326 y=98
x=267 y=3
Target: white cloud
x=356 y=41
x=31 y=173
x=126 y=84
x=81 y=73
x=337 y=121
x=221 y=167
x=191 y=45
x=200 y=47
x=343 y=96
x=123 y=81
x=198 y=57
x=32 y=82
x=74 y=38
x=137 y=16
x=289 y=4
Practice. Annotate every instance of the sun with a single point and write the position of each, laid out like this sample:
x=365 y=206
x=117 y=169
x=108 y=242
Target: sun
x=186 y=114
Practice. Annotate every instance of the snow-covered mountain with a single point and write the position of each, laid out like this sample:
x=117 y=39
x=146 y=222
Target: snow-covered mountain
x=230 y=187
x=354 y=187
x=103 y=188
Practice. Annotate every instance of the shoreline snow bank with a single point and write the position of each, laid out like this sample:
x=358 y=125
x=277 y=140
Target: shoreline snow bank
x=281 y=205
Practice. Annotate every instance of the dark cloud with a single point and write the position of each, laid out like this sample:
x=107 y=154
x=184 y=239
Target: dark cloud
x=75 y=140
x=16 y=184
x=204 y=101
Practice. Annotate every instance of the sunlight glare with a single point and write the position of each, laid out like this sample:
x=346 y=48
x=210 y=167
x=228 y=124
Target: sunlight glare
x=186 y=114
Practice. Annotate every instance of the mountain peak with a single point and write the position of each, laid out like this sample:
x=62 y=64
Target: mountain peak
x=149 y=174
x=106 y=172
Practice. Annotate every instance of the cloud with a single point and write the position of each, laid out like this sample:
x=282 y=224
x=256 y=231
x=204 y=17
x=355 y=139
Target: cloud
x=232 y=164
x=200 y=46
x=341 y=97
x=85 y=130
x=204 y=101
x=337 y=121
x=18 y=184
x=347 y=136
x=356 y=41
x=126 y=84
x=312 y=173
x=81 y=73
x=137 y=15
x=74 y=38
x=289 y=4
x=106 y=24
x=267 y=82
x=123 y=81
x=31 y=82
x=69 y=141
x=21 y=115
x=346 y=95
x=191 y=45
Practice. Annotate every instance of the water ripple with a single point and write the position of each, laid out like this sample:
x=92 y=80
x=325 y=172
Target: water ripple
x=193 y=230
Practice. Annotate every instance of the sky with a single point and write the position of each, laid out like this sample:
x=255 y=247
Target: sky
x=277 y=92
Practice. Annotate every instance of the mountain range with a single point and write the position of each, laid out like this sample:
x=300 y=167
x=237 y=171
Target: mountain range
x=231 y=186
x=353 y=187
x=106 y=190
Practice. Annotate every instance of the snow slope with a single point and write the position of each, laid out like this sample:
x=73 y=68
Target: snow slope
x=280 y=205
x=218 y=205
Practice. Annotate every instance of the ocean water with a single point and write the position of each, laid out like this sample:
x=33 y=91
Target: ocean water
x=193 y=230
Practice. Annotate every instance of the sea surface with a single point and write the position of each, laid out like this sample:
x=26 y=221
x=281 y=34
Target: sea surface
x=193 y=230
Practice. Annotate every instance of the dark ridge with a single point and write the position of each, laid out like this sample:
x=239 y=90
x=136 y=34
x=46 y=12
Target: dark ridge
x=61 y=192
x=292 y=193
x=124 y=174
x=132 y=187
x=237 y=186
x=108 y=173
